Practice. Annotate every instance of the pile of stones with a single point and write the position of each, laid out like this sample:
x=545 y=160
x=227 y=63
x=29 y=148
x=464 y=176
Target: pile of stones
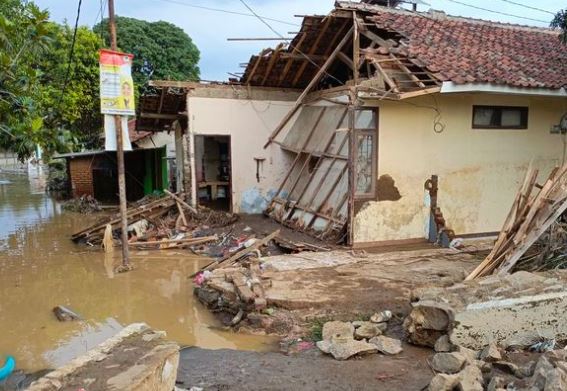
x=343 y=340
x=460 y=368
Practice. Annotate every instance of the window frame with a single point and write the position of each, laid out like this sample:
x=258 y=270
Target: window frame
x=374 y=161
x=524 y=117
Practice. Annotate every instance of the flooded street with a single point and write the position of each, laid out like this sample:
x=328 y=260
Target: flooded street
x=40 y=268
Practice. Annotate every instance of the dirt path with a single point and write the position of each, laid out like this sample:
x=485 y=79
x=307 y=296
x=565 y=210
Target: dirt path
x=216 y=370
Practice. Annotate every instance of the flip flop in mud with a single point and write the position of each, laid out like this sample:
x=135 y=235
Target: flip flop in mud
x=8 y=367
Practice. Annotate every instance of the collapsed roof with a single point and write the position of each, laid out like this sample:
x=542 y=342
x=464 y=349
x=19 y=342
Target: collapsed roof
x=412 y=50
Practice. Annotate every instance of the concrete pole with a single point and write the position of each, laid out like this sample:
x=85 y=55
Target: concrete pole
x=119 y=151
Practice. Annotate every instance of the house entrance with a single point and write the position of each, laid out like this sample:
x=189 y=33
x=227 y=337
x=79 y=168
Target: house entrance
x=213 y=166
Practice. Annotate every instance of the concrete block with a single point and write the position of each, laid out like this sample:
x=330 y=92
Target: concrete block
x=516 y=309
x=137 y=358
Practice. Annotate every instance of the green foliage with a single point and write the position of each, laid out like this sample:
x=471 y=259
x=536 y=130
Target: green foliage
x=24 y=37
x=76 y=112
x=161 y=50
x=34 y=61
x=560 y=22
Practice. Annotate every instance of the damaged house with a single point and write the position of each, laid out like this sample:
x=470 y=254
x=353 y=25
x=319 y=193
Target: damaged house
x=374 y=125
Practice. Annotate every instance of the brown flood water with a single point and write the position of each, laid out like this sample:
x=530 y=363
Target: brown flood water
x=41 y=268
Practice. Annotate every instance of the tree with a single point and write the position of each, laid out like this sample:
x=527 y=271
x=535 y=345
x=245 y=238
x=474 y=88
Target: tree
x=24 y=37
x=560 y=22
x=72 y=104
x=161 y=50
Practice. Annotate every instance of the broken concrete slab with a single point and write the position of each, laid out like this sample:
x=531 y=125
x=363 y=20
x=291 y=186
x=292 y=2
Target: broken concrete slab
x=449 y=363
x=470 y=379
x=345 y=349
x=491 y=353
x=137 y=358
x=337 y=330
x=513 y=310
x=386 y=345
x=367 y=330
x=443 y=382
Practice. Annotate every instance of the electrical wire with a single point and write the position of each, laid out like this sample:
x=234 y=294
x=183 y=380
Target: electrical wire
x=497 y=12
x=528 y=7
x=71 y=55
x=289 y=42
x=226 y=11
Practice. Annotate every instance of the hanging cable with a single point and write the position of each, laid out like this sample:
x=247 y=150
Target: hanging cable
x=528 y=7
x=71 y=55
x=289 y=42
x=226 y=11
x=496 y=12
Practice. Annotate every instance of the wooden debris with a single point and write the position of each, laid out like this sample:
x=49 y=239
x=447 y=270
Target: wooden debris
x=234 y=258
x=180 y=201
x=296 y=247
x=176 y=242
x=529 y=217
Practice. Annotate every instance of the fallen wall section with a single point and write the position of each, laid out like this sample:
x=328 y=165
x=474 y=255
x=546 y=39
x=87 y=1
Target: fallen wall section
x=137 y=358
x=514 y=310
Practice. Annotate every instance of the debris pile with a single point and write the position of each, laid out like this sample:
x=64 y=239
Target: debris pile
x=528 y=219
x=85 y=204
x=344 y=340
x=162 y=223
x=235 y=284
x=512 y=310
x=493 y=369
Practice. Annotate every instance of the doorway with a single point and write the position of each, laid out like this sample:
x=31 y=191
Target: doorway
x=213 y=169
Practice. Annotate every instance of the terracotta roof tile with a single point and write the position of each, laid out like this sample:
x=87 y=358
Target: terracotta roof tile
x=467 y=50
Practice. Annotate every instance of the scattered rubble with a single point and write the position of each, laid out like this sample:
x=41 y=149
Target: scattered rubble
x=386 y=345
x=346 y=339
x=85 y=204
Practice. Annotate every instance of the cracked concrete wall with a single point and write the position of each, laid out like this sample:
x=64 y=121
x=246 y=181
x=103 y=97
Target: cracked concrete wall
x=479 y=169
x=249 y=123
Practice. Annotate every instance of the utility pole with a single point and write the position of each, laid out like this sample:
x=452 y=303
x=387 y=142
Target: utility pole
x=119 y=153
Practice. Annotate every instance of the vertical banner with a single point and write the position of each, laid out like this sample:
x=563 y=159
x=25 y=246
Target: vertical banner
x=110 y=133
x=116 y=84
x=116 y=95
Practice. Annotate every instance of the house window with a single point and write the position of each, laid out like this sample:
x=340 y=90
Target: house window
x=500 y=117
x=366 y=140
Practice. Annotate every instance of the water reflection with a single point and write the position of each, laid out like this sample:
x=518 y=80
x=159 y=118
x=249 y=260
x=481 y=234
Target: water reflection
x=41 y=268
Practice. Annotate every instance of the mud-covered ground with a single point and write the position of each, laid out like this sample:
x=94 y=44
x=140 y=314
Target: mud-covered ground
x=216 y=370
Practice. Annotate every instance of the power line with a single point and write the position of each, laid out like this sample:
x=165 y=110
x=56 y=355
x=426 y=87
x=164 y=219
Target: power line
x=288 y=40
x=497 y=12
x=528 y=6
x=71 y=55
x=227 y=11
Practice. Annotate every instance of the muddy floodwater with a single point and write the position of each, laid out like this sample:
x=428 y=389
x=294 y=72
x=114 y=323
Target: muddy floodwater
x=41 y=268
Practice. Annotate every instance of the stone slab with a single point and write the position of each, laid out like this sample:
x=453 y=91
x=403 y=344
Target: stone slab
x=137 y=358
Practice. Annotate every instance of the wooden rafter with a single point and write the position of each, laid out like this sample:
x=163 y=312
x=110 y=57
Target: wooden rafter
x=386 y=77
x=296 y=49
x=313 y=48
x=273 y=59
x=257 y=64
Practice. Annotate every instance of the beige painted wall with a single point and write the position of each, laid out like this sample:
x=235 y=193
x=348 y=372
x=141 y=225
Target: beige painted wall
x=479 y=170
x=249 y=123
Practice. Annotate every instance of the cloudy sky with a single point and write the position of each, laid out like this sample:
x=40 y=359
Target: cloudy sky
x=210 y=28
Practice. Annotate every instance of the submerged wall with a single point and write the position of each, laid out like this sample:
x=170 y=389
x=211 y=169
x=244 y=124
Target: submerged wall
x=479 y=169
x=249 y=123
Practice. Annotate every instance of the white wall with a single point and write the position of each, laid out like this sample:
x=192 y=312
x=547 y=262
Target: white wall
x=249 y=123
x=479 y=170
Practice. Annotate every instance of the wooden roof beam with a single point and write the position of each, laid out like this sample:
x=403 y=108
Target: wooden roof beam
x=273 y=59
x=313 y=49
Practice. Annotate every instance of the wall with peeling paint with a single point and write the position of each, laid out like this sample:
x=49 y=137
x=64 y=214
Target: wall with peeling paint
x=479 y=170
x=249 y=123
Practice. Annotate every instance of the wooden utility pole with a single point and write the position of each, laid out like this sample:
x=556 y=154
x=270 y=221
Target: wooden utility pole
x=119 y=152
